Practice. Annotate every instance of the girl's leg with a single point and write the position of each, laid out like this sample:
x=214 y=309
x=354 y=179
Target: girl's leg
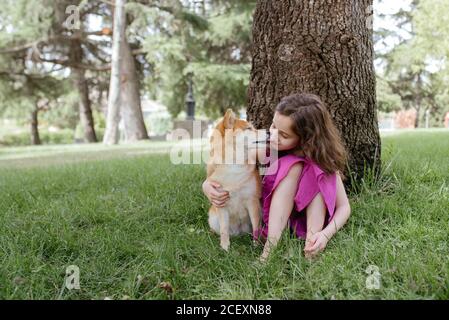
x=316 y=213
x=281 y=207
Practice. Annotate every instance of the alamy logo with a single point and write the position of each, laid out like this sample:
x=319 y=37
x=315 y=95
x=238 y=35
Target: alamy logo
x=373 y=280
x=72 y=280
x=73 y=20
x=370 y=19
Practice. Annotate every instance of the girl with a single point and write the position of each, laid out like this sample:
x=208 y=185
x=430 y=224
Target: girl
x=303 y=188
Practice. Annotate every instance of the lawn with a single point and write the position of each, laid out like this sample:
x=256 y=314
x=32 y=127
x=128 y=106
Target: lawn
x=136 y=226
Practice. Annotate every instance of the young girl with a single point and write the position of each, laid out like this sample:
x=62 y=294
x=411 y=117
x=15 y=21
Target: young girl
x=303 y=188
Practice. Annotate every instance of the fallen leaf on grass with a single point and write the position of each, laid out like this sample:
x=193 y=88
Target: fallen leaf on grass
x=19 y=281
x=166 y=286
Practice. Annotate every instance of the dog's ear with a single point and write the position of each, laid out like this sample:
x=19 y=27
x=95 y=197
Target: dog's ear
x=229 y=119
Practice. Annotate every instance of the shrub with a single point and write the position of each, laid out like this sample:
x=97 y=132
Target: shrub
x=64 y=136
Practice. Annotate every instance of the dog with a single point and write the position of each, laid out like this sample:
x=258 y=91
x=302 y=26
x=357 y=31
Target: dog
x=240 y=177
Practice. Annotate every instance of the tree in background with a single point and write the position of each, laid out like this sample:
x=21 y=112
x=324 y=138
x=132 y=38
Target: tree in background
x=432 y=32
x=76 y=48
x=131 y=109
x=26 y=92
x=167 y=40
x=415 y=68
x=211 y=39
x=111 y=134
x=125 y=86
x=38 y=33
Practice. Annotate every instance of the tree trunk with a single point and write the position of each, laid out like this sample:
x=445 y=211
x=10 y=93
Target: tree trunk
x=418 y=99
x=76 y=57
x=79 y=79
x=111 y=135
x=418 y=115
x=85 y=110
x=131 y=110
x=35 y=139
x=321 y=47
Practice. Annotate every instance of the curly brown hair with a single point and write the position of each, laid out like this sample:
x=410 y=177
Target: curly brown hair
x=320 y=140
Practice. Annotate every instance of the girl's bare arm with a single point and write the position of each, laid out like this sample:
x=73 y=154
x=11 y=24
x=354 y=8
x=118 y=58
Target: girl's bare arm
x=342 y=210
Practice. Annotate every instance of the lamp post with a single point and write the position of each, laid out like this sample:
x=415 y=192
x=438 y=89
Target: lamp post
x=190 y=100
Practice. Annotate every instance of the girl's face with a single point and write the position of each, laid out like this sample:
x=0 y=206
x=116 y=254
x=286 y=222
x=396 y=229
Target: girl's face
x=282 y=137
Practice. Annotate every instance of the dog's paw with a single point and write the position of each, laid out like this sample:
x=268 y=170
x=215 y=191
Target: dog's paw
x=225 y=245
x=263 y=259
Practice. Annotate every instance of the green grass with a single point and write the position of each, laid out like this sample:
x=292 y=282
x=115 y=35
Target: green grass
x=133 y=220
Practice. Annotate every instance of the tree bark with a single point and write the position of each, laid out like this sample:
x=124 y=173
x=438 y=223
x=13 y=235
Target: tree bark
x=35 y=139
x=418 y=99
x=85 y=110
x=321 y=47
x=111 y=135
x=79 y=79
x=131 y=110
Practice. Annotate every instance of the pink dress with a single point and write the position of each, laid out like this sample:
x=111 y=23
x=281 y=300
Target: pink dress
x=312 y=181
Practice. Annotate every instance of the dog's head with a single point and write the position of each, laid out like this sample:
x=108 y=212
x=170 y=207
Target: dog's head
x=231 y=138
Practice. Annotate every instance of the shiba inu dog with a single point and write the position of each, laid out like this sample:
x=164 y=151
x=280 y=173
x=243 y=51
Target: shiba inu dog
x=232 y=165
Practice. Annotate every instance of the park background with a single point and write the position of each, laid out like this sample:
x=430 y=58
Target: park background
x=134 y=224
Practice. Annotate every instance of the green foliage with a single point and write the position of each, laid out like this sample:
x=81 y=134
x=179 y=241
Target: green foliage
x=23 y=94
x=62 y=136
x=26 y=82
x=218 y=57
x=24 y=21
x=220 y=86
x=159 y=125
x=387 y=101
x=432 y=28
x=23 y=139
x=214 y=44
x=63 y=112
x=416 y=69
x=232 y=27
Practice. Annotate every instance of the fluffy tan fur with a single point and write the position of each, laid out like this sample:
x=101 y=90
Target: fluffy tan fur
x=242 y=213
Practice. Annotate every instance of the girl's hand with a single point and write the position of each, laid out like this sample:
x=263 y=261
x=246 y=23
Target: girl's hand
x=315 y=244
x=217 y=196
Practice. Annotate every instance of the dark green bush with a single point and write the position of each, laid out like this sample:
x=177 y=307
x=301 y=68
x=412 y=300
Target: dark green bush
x=64 y=136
